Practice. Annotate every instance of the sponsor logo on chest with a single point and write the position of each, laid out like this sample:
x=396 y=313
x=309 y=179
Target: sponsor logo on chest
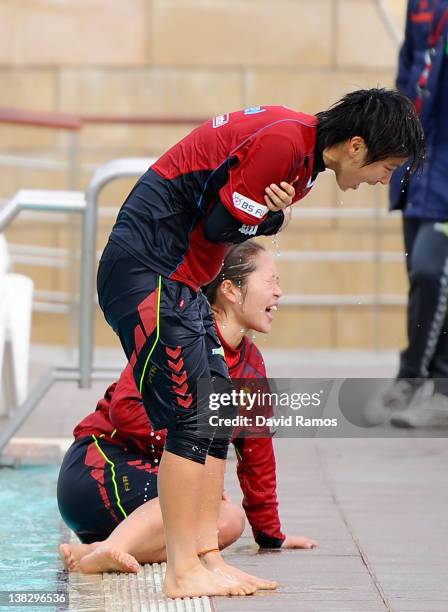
x=249 y=206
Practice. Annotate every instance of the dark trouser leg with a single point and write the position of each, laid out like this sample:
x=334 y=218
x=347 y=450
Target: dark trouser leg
x=160 y=325
x=220 y=380
x=426 y=355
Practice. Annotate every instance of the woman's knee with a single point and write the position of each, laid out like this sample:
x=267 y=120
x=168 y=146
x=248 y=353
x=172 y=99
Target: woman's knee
x=231 y=523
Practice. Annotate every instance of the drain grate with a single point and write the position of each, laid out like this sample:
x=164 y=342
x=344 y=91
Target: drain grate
x=142 y=592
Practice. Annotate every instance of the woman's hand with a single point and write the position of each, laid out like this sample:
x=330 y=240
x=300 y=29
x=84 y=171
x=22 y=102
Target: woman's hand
x=298 y=542
x=279 y=197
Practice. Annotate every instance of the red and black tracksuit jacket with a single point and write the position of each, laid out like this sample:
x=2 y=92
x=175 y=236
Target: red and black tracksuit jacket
x=207 y=191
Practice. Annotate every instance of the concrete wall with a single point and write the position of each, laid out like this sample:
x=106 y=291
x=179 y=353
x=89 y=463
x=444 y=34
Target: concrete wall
x=200 y=57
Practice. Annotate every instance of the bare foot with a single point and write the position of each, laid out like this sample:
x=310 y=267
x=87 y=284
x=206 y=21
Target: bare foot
x=199 y=581
x=214 y=562
x=108 y=559
x=71 y=553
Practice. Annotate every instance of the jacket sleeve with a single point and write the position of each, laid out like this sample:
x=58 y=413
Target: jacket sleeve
x=406 y=57
x=257 y=477
x=222 y=227
x=239 y=211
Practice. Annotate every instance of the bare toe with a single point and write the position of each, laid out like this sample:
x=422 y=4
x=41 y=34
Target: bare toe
x=242 y=590
x=125 y=562
x=65 y=554
x=108 y=560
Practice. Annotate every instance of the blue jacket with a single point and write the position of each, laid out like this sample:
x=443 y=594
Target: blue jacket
x=426 y=195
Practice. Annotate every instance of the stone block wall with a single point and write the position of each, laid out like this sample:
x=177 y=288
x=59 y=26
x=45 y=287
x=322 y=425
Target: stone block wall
x=198 y=57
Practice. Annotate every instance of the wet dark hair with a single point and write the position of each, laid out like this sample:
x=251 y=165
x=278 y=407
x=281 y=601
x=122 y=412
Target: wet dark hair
x=385 y=118
x=238 y=264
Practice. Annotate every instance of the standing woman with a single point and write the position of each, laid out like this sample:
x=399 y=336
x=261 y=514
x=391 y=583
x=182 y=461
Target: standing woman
x=244 y=296
x=171 y=236
x=166 y=328
x=218 y=186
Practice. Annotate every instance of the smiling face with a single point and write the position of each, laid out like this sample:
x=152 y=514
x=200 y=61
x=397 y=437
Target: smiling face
x=348 y=161
x=260 y=295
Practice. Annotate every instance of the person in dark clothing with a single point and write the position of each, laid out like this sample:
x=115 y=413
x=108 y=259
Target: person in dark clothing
x=423 y=199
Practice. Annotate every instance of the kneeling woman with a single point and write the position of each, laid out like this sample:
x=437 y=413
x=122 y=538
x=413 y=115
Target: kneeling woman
x=107 y=489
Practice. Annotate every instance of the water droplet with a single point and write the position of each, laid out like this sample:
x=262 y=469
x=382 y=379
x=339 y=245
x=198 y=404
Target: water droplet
x=276 y=245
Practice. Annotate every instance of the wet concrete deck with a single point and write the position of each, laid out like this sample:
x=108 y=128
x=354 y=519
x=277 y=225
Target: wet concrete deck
x=378 y=508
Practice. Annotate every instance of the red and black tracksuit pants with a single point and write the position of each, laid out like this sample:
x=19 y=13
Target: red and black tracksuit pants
x=168 y=334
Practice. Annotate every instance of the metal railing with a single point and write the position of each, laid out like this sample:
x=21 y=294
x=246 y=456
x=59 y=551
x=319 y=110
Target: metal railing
x=87 y=205
x=103 y=176
x=43 y=201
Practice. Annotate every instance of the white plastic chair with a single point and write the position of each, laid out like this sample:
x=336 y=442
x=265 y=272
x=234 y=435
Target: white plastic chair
x=16 y=297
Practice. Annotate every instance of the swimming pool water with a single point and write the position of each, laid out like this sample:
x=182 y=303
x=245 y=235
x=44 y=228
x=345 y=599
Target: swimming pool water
x=30 y=526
